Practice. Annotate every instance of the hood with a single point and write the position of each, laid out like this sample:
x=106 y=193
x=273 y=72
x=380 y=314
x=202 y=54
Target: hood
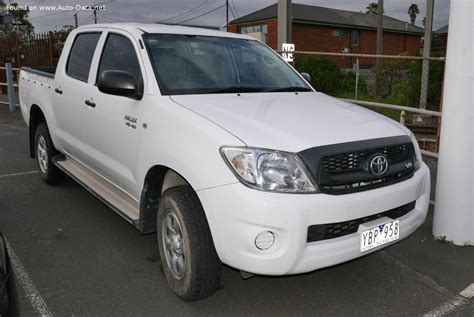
x=289 y=121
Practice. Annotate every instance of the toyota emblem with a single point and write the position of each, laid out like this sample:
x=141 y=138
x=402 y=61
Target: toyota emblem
x=378 y=165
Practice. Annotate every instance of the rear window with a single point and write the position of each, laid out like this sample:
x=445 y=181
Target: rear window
x=80 y=58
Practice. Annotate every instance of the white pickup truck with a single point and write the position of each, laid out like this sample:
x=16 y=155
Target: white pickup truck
x=214 y=142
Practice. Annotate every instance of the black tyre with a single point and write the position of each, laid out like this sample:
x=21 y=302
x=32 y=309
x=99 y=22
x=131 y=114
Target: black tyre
x=4 y=276
x=45 y=151
x=188 y=256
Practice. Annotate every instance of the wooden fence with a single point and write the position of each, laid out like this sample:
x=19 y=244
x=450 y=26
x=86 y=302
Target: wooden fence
x=38 y=50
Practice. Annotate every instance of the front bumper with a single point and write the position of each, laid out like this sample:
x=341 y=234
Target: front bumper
x=237 y=214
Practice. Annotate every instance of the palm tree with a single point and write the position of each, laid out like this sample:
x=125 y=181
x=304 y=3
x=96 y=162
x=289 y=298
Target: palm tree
x=372 y=8
x=412 y=12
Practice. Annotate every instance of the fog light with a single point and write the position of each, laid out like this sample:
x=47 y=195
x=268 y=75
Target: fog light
x=264 y=240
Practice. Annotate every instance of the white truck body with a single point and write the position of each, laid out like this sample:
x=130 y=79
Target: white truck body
x=112 y=147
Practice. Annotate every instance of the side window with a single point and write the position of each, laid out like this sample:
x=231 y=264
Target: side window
x=80 y=57
x=119 y=54
x=355 y=38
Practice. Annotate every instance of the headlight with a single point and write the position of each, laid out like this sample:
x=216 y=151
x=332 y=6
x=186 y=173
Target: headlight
x=269 y=170
x=419 y=159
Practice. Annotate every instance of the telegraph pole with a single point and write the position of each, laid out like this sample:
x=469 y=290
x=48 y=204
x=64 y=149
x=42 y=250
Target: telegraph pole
x=425 y=72
x=284 y=22
x=75 y=21
x=95 y=15
x=227 y=15
x=379 y=32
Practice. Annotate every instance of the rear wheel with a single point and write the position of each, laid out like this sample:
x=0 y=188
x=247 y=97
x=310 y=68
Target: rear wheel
x=189 y=259
x=45 y=152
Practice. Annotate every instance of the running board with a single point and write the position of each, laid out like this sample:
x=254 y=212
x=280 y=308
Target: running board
x=118 y=201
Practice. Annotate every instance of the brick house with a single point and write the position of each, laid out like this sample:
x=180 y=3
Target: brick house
x=440 y=39
x=330 y=30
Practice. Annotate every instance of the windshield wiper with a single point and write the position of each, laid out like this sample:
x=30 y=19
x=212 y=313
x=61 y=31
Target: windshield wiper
x=235 y=89
x=290 y=89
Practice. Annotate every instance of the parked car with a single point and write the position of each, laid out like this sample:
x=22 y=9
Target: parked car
x=214 y=142
x=5 y=278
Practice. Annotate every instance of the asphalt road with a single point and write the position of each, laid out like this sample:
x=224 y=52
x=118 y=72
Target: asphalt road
x=85 y=260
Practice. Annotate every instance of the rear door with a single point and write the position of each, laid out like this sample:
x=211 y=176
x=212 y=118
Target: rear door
x=113 y=125
x=71 y=88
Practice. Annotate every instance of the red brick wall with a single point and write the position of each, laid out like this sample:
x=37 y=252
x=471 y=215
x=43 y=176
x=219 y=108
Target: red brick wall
x=233 y=29
x=393 y=44
x=320 y=38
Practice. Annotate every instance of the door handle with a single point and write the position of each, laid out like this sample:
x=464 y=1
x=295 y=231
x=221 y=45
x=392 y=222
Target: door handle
x=59 y=91
x=90 y=103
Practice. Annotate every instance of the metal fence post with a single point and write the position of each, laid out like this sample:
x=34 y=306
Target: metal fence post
x=11 y=90
x=357 y=80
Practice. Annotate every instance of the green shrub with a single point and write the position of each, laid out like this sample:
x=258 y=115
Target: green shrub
x=392 y=72
x=435 y=83
x=326 y=76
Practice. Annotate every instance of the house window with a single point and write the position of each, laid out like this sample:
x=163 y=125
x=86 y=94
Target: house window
x=338 y=32
x=260 y=28
x=355 y=37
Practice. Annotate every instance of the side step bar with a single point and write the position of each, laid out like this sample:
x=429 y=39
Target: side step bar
x=118 y=201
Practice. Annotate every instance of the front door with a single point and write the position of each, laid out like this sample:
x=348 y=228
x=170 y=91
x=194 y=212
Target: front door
x=113 y=122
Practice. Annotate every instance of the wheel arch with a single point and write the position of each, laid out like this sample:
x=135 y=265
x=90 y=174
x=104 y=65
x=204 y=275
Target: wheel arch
x=36 y=117
x=158 y=179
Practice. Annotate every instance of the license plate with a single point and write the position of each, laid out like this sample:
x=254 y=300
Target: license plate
x=379 y=235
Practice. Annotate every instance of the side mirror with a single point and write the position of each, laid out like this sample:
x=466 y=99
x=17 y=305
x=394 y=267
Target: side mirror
x=306 y=77
x=119 y=83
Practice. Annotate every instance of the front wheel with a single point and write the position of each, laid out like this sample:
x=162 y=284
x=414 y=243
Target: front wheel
x=190 y=262
x=45 y=152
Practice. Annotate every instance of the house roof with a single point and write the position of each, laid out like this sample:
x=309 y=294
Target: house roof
x=443 y=30
x=328 y=16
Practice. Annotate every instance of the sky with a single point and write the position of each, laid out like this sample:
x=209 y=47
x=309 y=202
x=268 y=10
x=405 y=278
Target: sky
x=196 y=12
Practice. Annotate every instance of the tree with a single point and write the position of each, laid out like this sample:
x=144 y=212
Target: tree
x=412 y=12
x=21 y=19
x=372 y=8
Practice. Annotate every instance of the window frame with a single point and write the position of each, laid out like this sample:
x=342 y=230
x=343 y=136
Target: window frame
x=66 y=69
x=355 y=31
x=262 y=28
x=140 y=80
x=339 y=32
x=165 y=91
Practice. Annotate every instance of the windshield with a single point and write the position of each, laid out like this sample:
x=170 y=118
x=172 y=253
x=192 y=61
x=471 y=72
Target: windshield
x=191 y=64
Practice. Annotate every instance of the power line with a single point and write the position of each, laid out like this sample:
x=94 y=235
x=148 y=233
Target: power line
x=110 y=19
x=232 y=11
x=201 y=15
x=87 y=20
x=202 y=5
x=235 y=10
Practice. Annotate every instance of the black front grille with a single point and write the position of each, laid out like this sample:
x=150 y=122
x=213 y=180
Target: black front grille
x=344 y=168
x=351 y=160
x=339 y=229
x=352 y=187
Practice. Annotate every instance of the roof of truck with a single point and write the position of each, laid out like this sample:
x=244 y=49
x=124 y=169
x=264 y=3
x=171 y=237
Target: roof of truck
x=164 y=28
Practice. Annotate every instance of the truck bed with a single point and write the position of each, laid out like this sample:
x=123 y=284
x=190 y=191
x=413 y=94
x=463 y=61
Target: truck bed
x=36 y=88
x=42 y=71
